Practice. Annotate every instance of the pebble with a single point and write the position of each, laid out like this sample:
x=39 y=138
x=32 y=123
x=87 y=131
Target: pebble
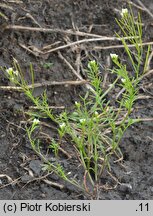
x=124 y=187
x=25 y=178
x=36 y=166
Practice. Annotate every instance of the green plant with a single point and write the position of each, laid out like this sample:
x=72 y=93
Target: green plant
x=47 y=65
x=95 y=128
x=54 y=146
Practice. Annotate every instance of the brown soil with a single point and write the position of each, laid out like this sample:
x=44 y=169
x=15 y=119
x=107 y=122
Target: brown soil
x=17 y=159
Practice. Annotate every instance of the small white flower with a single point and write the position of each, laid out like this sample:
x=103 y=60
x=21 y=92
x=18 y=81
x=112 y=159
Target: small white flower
x=123 y=80
x=62 y=125
x=9 y=71
x=77 y=103
x=96 y=113
x=16 y=73
x=82 y=121
x=36 y=121
x=113 y=56
x=124 y=12
x=92 y=64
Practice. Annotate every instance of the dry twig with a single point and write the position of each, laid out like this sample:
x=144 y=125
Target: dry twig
x=50 y=107
x=46 y=84
x=145 y=8
x=148 y=73
x=43 y=178
x=69 y=32
x=57 y=185
x=10 y=180
x=74 y=71
x=120 y=46
x=149 y=61
x=135 y=5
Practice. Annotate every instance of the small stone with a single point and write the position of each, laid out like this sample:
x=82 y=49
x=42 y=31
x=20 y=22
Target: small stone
x=25 y=178
x=43 y=195
x=36 y=166
x=124 y=187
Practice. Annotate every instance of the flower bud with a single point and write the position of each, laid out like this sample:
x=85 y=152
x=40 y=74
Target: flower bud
x=124 y=12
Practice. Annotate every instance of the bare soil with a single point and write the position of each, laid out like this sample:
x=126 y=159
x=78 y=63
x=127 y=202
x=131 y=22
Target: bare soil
x=20 y=168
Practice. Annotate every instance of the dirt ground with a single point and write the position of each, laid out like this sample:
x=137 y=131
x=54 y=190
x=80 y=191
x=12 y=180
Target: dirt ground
x=21 y=176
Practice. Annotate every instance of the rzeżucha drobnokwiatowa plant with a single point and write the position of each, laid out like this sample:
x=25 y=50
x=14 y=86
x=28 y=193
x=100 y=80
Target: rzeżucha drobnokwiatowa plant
x=95 y=127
